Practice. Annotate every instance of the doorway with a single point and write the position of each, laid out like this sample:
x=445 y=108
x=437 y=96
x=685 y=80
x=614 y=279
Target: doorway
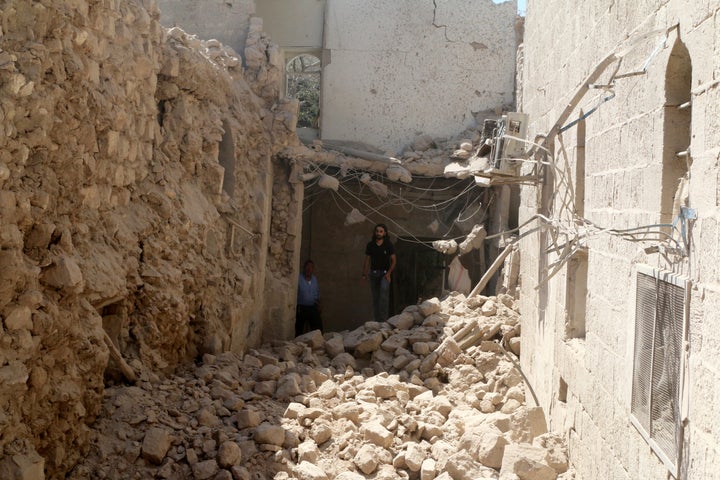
x=420 y=273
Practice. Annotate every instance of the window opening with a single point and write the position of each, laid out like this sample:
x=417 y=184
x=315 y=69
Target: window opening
x=660 y=338
x=576 y=290
x=562 y=390
x=303 y=83
x=676 y=130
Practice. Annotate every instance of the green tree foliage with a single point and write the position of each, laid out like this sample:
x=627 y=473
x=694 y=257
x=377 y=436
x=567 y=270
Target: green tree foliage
x=303 y=83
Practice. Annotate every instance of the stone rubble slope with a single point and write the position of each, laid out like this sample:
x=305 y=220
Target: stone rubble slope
x=430 y=394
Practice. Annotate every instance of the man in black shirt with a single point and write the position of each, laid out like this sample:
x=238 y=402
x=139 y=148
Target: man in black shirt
x=379 y=264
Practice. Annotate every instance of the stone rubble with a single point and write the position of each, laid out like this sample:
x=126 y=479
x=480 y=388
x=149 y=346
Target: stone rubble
x=139 y=198
x=393 y=400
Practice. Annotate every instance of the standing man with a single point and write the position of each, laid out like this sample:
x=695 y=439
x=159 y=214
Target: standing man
x=308 y=301
x=379 y=264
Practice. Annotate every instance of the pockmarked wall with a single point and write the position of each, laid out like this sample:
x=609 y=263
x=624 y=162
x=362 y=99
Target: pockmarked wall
x=623 y=99
x=393 y=70
x=137 y=227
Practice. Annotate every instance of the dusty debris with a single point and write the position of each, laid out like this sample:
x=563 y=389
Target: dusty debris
x=428 y=394
x=136 y=172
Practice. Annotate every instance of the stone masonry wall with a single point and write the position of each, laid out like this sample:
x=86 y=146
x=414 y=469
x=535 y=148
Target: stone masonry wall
x=393 y=70
x=227 y=21
x=135 y=177
x=621 y=164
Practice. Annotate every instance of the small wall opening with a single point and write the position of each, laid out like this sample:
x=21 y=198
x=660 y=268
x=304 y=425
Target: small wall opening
x=226 y=157
x=677 y=127
x=562 y=390
x=576 y=291
x=580 y=168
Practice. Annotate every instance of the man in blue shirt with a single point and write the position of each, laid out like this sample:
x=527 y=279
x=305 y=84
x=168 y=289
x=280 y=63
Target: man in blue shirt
x=308 y=301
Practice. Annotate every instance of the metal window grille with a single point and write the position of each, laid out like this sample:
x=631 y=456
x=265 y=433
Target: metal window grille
x=660 y=332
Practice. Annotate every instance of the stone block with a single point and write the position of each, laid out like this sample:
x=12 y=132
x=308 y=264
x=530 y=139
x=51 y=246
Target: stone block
x=429 y=307
x=486 y=445
x=64 y=274
x=366 y=459
x=402 y=321
x=229 y=454
x=527 y=462
x=19 y=318
x=527 y=423
x=377 y=434
x=156 y=444
x=30 y=466
x=269 y=434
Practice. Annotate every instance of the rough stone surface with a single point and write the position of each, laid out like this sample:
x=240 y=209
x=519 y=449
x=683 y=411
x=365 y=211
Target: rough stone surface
x=380 y=421
x=136 y=178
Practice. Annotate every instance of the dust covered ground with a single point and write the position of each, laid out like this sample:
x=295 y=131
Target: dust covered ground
x=434 y=393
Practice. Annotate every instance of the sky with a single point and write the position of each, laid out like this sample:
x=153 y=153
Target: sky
x=522 y=5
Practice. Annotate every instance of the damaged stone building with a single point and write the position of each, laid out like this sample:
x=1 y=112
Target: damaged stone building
x=620 y=260
x=401 y=86
x=151 y=188
x=167 y=165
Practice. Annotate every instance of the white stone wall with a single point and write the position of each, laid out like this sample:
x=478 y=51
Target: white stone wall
x=295 y=24
x=225 y=20
x=623 y=146
x=395 y=69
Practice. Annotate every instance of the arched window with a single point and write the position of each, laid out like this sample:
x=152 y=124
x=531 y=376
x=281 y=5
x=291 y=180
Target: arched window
x=676 y=129
x=303 y=82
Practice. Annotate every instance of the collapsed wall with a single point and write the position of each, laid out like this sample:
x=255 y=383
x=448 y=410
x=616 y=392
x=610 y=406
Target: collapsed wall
x=136 y=178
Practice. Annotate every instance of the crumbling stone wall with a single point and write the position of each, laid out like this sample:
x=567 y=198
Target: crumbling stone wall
x=123 y=223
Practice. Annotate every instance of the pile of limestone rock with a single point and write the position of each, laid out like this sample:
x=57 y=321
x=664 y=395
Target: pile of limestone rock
x=434 y=393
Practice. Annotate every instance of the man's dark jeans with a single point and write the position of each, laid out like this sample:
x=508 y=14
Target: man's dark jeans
x=380 y=290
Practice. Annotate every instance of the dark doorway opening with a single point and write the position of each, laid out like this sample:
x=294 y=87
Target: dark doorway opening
x=420 y=273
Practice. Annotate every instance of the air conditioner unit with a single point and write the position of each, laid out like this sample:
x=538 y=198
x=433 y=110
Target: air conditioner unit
x=508 y=143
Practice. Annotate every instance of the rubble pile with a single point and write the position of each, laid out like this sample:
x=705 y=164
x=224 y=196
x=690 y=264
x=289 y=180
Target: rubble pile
x=430 y=394
x=136 y=168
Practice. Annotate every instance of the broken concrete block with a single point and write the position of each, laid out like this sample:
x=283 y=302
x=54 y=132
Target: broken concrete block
x=376 y=433
x=414 y=456
x=402 y=321
x=64 y=273
x=328 y=182
x=428 y=307
x=527 y=423
x=155 y=445
x=486 y=445
x=398 y=173
x=527 y=462
x=308 y=451
x=229 y=454
x=30 y=466
x=267 y=433
x=313 y=339
x=205 y=470
x=309 y=471
x=19 y=318
x=365 y=459
x=461 y=466
x=428 y=469
x=14 y=374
